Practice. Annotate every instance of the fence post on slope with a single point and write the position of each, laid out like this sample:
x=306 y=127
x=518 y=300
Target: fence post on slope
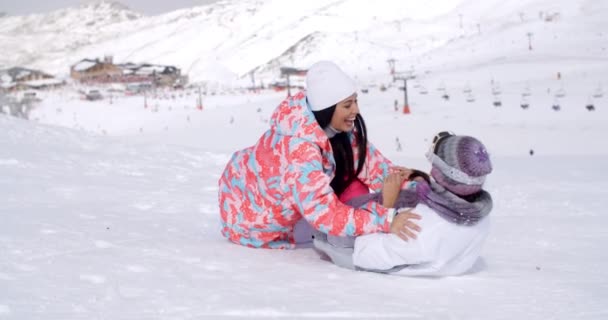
x=199 y=105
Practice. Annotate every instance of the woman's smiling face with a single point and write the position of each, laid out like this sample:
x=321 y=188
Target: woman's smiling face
x=344 y=116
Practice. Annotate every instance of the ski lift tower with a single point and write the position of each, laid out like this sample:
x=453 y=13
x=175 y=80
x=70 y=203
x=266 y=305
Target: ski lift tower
x=252 y=76
x=286 y=72
x=404 y=77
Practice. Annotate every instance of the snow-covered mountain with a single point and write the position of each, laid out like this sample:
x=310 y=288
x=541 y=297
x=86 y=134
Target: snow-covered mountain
x=51 y=41
x=121 y=221
x=226 y=40
x=87 y=17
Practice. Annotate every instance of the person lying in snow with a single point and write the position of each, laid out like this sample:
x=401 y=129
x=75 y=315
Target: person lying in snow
x=454 y=217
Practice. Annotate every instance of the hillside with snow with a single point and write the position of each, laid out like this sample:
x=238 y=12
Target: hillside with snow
x=109 y=207
x=112 y=214
x=226 y=40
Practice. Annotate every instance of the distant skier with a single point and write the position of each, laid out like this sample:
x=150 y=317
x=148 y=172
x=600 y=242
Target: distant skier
x=454 y=210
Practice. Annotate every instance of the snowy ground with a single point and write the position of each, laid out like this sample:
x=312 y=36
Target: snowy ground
x=124 y=225
x=109 y=210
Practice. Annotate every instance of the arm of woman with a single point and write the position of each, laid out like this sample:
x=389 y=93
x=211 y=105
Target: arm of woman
x=377 y=168
x=314 y=198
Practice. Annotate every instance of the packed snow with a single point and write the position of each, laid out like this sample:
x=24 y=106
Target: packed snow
x=110 y=207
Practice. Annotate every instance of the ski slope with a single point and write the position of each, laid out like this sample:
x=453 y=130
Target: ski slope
x=109 y=208
x=125 y=225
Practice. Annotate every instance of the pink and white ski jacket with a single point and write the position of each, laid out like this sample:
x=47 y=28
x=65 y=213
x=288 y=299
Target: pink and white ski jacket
x=266 y=188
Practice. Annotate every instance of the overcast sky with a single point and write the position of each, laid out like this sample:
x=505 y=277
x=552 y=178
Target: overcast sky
x=20 y=7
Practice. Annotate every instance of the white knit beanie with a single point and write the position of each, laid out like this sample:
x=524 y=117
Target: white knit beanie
x=327 y=84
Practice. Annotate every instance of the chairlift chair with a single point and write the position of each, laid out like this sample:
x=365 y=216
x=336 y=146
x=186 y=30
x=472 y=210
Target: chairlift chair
x=598 y=93
x=470 y=98
x=467 y=89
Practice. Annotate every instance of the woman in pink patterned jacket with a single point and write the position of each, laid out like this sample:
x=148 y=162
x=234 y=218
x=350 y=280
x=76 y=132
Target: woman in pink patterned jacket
x=315 y=149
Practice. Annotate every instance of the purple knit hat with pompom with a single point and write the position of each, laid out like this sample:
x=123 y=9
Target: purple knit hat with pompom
x=461 y=165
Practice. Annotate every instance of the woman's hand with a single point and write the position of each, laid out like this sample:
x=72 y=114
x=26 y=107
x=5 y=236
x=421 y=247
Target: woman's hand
x=404 y=227
x=402 y=170
x=391 y=188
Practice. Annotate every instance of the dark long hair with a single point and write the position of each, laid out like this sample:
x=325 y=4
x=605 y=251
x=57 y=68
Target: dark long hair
x=343 y=151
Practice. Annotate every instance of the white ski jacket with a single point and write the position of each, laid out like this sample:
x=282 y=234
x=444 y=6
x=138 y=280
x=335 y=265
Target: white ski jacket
x=441 y=248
